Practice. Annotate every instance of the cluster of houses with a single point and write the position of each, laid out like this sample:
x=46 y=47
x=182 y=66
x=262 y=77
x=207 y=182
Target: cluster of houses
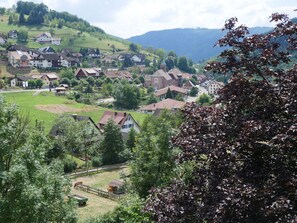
x=20 y=56
x=46 y=57
x=174 y=80
x=43 y=38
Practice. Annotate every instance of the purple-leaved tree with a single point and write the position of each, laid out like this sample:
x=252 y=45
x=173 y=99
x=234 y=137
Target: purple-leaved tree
x=243 y=152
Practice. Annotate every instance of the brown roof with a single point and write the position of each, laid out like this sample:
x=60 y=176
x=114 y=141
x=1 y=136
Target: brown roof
x=50 y=76
x=163 y=91
x=186 y=76
x=175 y=72
x=166 y=104
x=116 y=183
x=162 y=74
x=94 y=72
x=118 y=117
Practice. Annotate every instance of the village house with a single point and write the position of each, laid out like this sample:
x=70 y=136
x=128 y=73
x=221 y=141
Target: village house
x=124 y=120
x=82 y=73
x=56 y=41
x=19 y=59
x=46 y=49
x=50 y=60
x=112 y=74
x=161 y=79
x=168 y=104
x=188 y=85
x=12 y=34
x=49 y=78
x=21 y=81
x=17 y=47
x=93 y=53
x=213 y=86
x=174 y=90
x=44 y=37
x=138 y=59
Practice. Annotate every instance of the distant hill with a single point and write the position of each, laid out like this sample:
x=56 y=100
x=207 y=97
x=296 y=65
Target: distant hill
x=196 y=44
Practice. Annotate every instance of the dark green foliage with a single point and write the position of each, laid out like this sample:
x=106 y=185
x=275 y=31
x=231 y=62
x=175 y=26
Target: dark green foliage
x=183 y=65
x=31 y=84
x=169 y=94
x=194 y=91
x=38 y=83
x=133 y=47
x=150 y=90
x=65 y=80
x=10 y=19
x=22 y=19
x=36 y=16
x=67 y=73
x=126 y=96
x=244 y=149
x=96 y=161
x=127 y=62
x=22 y=36
x=153 y=160
x=169 y=63
x=2 y=10
x=151 y=99
x=91 y=81
x=130 y=143
x=112 y=145
x=74 y=82
x=31 y=191
x=69 y=165
x=130 y=210
x=193 y=80
x=204 y=99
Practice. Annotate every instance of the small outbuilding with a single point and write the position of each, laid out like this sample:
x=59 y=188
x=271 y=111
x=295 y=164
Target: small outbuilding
x=116 y=187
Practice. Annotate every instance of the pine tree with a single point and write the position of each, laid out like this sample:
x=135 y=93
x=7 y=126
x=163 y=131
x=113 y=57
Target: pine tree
x=112 y=145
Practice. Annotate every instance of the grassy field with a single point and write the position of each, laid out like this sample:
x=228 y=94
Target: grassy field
x=80 y=40
x=46 y=107
x=97 y=205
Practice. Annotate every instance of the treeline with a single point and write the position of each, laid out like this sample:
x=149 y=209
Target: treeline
x=38 y=14
x=171 y=60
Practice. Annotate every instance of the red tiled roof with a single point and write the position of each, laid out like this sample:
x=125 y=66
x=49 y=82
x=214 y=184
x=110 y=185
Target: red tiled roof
x=118 y=117
x=175 y=72
x=172 y=88
x=166 y=104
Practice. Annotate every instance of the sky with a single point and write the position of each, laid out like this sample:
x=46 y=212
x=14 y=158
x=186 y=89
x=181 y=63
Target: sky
x=126 y=18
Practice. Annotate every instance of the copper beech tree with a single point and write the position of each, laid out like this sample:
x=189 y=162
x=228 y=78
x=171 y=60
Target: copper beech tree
x=244 y=150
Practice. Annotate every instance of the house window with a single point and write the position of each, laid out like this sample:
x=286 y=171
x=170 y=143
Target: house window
x=123 y=126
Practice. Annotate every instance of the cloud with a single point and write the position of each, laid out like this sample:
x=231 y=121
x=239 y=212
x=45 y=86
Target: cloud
x=144 y=15
x=134 y=17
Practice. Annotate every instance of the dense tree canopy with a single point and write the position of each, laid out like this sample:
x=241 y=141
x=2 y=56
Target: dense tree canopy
x=30 y=190
x=245 y=149
x=112 y=145
x=153 y=160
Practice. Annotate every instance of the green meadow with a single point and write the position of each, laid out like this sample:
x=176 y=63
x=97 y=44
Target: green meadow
x=46 y=107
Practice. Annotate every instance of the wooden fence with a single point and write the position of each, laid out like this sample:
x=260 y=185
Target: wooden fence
x=98 y=192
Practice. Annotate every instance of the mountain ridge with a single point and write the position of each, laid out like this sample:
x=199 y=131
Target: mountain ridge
x=194 y=43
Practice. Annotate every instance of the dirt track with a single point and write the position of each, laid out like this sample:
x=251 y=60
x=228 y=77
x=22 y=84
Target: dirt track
x=60 y=108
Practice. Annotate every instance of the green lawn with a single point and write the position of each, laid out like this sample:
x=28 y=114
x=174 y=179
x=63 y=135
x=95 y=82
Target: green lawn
x=96 y=205
x=27 y=102
x=84 y=40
